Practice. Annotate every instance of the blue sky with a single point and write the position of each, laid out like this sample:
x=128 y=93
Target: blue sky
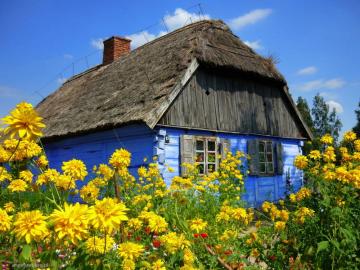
x=316 y=42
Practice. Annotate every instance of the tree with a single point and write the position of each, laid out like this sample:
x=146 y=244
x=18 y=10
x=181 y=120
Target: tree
x=324 y=120
x=304 y=110
x=356 y=129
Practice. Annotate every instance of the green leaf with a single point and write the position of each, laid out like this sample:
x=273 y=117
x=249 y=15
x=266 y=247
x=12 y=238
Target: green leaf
x=323 y=245
x=26 y=252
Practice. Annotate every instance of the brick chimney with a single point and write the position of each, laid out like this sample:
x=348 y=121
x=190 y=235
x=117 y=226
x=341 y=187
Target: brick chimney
x=115 y=47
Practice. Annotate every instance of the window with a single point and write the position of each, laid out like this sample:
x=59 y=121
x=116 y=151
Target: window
x=205 y=154
x=266 y=157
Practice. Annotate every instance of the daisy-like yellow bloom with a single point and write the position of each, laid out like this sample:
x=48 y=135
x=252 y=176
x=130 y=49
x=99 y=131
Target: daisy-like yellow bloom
x=128 y=265
x=42 y=161
x=303 y=213
x=198 y=225
x=50 y=175
x=74 y=168
x=357 y=145
x=9 y=207
x=158 y=265
x=4 y=174
x=65 y=182
x=349 y=136
x=189 y=257
x=255 y=252
x=24 y=122
x=71 y=222
x=97 y=245
x=26 y=175
x=107 y=214
x=303 y=193
x=315 y=154
x=280 y=225
x=17 y=185
x=135 y=224
x=157 y=223
x=327 y=139
x=284 y=215
x=228 y=234
x=301 y=162
x=5 y=221
x=105 y=171
x=173 y=242
x=89 y=192
x=31 y=226
x=120 y=158
x=130 y=250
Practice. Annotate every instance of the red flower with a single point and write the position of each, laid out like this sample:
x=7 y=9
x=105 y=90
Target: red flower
x=138 y=238
x=204 y=235
x=156 y=243
x=147 y=230
x=228 y=252
x=196 y=235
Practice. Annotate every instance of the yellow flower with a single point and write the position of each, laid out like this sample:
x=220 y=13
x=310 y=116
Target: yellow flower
x=42 y=161
x=105 y=171
x=174 y=242
x=5 y=221
x=284 y=215
x=89 y=192
x=65 y=182
x=107 y=214
x=26 y=205
x=24 y=122
x=255 y=252
x=357 y=145
x=292 y=197
x=4 y=175
x=349 y=136
x=157 y=224
x=228 y=234
x=158 y=265
x=315 y=154
x=9 y=207
x=120 y=158
x=99 y=245
x=50 y=175
x=198 y=225
x=280 y=225
x=128 y=265
x=130 y=250
x=266 y=206
x=26 y=175
x=74 y=168
x=17 y=185
x=71 y=222
x=30 y=225
x=303 y=193
x=135 y=223
x=327 y=139
x=189 y=257
x=301 y=162
x=303 y=213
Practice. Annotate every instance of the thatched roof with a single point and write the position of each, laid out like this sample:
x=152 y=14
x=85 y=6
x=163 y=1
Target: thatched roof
x=132 y=88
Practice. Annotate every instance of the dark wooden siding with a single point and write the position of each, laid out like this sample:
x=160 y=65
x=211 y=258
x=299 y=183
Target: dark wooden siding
x=231 y=103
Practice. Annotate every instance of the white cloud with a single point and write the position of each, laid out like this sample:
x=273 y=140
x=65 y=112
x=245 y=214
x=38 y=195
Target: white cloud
x=61 y=80
x=68 y=56
x=335 y=105
x=256 y=45
x=181 y=17
x=322 y=84
x=249 y=18
x=141 y=38
x=97 y=43
x=307 y=70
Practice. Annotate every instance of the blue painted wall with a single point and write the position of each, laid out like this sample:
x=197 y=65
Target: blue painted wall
x=97 y=147
x=142 y=142
x=258 y=189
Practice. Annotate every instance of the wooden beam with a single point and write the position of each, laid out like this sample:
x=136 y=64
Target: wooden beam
x=174 y=93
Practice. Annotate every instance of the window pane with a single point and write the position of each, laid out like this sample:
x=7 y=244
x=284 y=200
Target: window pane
x=199 y=145
x=211 y=168
x=262 y=167
x=211 y=145
x=211 y=157
x=268 y=147
x=199 y=157
x=270 y=167
x=201 y=168
x=261 y=147
x=261 y=157
x=269 y=157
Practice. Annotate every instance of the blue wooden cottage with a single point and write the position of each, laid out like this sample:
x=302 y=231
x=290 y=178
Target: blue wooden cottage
x=183 y=97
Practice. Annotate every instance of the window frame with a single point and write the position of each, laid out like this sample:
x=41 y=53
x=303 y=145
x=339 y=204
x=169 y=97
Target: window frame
x=206 y=152
x=265 y=154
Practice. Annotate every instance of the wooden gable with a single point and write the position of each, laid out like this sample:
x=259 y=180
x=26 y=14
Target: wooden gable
x=235 y=103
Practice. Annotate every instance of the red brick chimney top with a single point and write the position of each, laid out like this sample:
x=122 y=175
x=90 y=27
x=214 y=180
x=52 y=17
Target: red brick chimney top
x=115 y=47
